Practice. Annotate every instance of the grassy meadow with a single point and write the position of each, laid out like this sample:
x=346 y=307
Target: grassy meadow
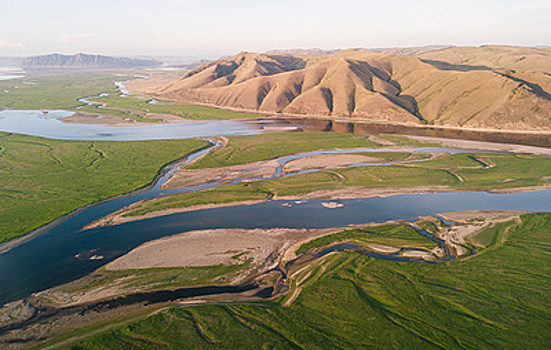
x=53 y=92
x=139 y=105
x=251 y=148
x=454 y=171
x=495 y=300
x=43 y=179
x=62 y=91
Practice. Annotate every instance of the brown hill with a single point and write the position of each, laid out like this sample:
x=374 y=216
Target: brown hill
x=503 y=92
x=493 y=57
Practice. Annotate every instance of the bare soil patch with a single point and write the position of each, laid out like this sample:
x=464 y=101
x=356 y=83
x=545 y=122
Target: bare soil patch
x=328 y=161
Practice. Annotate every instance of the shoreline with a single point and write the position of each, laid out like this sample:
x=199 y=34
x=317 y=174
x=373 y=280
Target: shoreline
x=459 y=143
x=275 y=262
x=334 y=195
x=272 y=114
x=15 y=242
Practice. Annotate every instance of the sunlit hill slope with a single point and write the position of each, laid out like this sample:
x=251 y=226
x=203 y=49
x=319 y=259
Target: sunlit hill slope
x=483 y=87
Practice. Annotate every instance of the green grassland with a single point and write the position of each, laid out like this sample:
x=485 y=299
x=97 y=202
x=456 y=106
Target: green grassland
x=510 y=171
x=251 y=148
x=389 y=235
x=62 y=91
x=43 y=179
x=53 y=92
x=139 y=105
x=497 y=299
x=121 y=113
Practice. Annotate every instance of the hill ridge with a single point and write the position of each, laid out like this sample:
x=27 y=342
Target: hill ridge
x=486 y=87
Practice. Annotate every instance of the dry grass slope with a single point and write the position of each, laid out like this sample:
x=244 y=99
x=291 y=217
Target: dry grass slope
x=484 y=87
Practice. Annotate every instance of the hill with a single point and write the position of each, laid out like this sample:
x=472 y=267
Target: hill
x=486 y=87
x=314 y=52
x=493 y=57
x=82 y=60
x=409 y=51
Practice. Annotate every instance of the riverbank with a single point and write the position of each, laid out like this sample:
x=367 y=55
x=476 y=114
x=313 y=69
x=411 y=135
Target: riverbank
x=347 y=174
x=120 y=216
x=249 y=262
x=55 y=177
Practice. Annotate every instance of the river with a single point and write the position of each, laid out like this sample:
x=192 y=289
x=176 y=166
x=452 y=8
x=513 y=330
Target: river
x=49 y=124
x=9 y=73
x=64 y=252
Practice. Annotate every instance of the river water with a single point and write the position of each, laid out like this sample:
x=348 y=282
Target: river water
x=64 y=252
x=9 y=73
x=49 y=124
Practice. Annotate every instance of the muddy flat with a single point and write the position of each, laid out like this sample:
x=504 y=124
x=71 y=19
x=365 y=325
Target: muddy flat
x=328 y=161
x=209 y=248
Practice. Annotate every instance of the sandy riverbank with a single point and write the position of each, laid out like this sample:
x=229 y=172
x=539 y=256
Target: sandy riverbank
x=117 y=218
x=485 y=146
x=111 y=120
x=328 y=161
x=213 y=247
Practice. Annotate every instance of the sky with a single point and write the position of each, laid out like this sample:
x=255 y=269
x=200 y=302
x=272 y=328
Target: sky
x=213 y=28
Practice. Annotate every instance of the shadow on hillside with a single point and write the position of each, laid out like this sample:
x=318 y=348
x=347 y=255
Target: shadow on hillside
x=537 y=89
x=457 y=67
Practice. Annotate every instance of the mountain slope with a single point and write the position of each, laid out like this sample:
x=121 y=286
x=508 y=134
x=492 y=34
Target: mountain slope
x=82 y=60
x=356 y=83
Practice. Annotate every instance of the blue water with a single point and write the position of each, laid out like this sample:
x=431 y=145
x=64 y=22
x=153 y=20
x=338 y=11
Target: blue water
x=51 y=259
x=49 y=124
x=61 y=254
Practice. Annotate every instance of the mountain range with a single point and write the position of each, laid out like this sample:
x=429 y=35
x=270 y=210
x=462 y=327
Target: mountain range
x=82 y=60
x=498 y=87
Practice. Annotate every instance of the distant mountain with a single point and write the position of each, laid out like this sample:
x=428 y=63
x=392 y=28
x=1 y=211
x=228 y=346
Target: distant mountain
x=313 y=52
x=11 y=61
x=82 y=60
x=410 y=51
x=486 y=87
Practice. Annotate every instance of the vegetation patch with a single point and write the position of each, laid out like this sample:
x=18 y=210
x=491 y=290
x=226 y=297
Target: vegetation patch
x=54 y=92
x=494 y=300
x=43 y=179
x=140 y=105
x=251 y=148
x=388 y=235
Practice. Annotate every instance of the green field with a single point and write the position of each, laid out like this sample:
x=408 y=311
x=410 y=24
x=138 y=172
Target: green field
x=43 y=179
x=251 y=148
x=62 y=91
x=389 y=235
x=455 y=171
x=54 y=92
x=498 y=299
x=139 y=105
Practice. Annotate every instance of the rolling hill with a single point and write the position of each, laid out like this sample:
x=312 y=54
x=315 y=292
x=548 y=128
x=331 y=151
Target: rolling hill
x=485 y=87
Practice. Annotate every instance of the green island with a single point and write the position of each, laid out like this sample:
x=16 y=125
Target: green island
x=458 y=172
x=139 y=105
x=349 y=300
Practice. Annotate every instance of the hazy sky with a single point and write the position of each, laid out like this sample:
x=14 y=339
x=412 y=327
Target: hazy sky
x=213 y=28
